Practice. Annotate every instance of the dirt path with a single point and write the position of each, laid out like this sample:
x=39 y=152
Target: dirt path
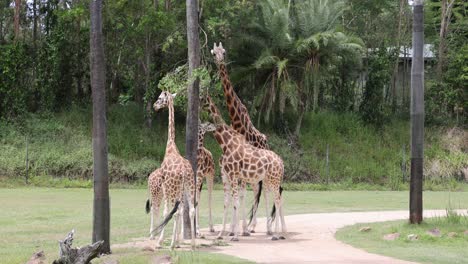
x=311 y=240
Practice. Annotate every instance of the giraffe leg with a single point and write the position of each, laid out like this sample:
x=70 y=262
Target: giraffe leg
x=283 y=223
x=227 y=201
x=253 y=224
x=210 y=198
x=192 y=228
x=277 y=215
x=197 y=215
x=154 y=218
x=175 y=235
x=233 y=217
x=235 y=199
x=267 y=205
x=242 y=204
x=161 y=236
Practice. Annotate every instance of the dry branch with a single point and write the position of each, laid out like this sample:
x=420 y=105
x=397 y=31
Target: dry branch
x=69 y=255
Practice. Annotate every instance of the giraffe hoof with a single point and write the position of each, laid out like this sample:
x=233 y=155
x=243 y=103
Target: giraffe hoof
x=269 y=233
x=219 y=237
x=212 y=230
x=235 y=239
x=252 y=231
x=282 y=237
x=245 y=234
x=231 y=234
x=274 y=238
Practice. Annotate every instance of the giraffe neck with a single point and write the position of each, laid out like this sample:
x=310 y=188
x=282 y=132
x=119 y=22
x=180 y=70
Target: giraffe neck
x=171 y=127
x=215 y=114
x=201 y=138
x=230 y=94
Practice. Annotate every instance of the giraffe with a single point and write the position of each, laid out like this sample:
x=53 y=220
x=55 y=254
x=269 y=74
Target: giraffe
x=205 y=169
x=176 y=178
x=156 y=196
x=240 y=120
x=242 y=161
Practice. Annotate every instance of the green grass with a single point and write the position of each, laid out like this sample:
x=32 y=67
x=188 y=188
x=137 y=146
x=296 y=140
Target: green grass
x=35 y=218
x=427 y=249
x=60 y=152
x=136 y=256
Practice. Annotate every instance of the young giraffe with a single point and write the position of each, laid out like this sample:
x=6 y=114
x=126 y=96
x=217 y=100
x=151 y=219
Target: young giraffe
x=242 y=161
x=177 y=178
x=240 y=120
x=205 y=169
x=156 y=196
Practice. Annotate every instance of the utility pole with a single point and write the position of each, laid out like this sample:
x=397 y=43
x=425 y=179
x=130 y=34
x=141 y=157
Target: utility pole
x=417 y=115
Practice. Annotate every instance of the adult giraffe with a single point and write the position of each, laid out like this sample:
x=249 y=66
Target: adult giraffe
x=240 y=121
x=244 y=162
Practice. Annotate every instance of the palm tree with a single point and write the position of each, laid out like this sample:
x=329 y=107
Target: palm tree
x=271 y=34
x=319 y=44
x=296 y=42
x=318 y=40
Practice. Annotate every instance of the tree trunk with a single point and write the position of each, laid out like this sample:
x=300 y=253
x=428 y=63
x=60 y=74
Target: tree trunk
x=101 y=212
x=446 y=13
x=35 y=25
x=417 y=115
x=168 y=5
x=17 y=19
x=148 y=49
x=191 y=139
x=397 y=60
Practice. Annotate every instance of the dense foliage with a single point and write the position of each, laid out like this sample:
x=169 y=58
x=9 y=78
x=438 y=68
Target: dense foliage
x=289 y=62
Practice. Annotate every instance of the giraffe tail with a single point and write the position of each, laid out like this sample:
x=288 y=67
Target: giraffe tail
x=273 y=210
x=148 y=206
x=253 y=210
x=166 y=220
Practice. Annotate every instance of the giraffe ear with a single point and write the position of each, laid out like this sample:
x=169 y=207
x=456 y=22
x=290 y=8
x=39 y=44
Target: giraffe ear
x=220 y=45
x=174 y=95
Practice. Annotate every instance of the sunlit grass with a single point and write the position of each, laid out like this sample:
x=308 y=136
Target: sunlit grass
x=426 y=249
x=36 y=218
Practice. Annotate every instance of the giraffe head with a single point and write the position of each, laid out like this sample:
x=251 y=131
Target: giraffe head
x=207 y=127
x=163 y=100
x=218 y=52
x=207 y=104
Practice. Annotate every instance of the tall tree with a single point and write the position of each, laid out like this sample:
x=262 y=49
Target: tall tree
x=446 y=13
x=17 y=19
x=191 y=140
x=101 y=211
x=417 y=114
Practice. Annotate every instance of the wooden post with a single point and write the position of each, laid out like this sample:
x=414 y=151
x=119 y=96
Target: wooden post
x=417 y=115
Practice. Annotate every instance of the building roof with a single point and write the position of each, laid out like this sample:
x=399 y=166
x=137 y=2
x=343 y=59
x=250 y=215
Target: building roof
x=427 y=52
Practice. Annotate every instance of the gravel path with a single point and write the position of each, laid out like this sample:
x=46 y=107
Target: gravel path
x=311 y=240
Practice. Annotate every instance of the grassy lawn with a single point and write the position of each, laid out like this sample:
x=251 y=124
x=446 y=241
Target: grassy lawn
x=32 y=219
x=426 y=249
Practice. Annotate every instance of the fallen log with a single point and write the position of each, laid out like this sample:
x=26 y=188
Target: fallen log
x=69 y=255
